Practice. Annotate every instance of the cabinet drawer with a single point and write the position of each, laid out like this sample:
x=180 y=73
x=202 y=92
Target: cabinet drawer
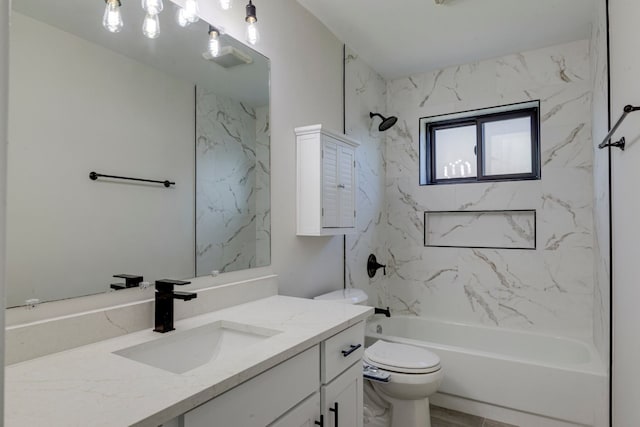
x=262 y=399
x=338 y=354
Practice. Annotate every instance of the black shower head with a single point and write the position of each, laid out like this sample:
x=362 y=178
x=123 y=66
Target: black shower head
x=387 y=122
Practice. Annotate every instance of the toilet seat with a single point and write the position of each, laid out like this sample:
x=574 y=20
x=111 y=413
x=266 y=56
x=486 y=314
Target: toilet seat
x=401 y=358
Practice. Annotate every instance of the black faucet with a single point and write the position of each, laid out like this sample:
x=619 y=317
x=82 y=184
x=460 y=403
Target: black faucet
x=386 y=312
x=164 y=303
x=130 y=281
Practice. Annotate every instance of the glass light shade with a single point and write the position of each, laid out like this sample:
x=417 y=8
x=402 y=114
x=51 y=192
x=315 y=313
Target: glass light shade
x=191 y=11
x=151 y=26
x=253 y=35
x=152 y=7
x=112 y=19
x=181 y=18
x=214 y=44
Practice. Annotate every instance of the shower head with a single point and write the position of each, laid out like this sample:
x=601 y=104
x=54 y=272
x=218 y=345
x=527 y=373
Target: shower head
x=387 y=122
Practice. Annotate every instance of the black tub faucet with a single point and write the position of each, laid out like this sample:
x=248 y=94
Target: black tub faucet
x=164 y=302
x=386 y=311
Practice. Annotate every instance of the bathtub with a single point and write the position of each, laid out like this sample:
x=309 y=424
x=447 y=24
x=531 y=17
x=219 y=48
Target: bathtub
x=558 y=378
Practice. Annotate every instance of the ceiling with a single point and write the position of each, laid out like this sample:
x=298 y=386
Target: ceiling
x=403 y=37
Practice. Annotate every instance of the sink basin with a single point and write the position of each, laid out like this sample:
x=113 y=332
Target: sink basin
x=183 y=351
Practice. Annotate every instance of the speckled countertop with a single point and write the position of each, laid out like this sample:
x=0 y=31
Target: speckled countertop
x=91 y=386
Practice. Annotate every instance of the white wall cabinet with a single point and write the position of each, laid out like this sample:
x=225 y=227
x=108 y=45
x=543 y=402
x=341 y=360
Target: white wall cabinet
x=326 y=182
x=297 y=392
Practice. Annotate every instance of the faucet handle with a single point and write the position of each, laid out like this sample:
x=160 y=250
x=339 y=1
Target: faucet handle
x=166 y=285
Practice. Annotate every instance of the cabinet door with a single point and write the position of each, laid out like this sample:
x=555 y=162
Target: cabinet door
x=330 y=200
x=342 y=399
x=304 y=415
x=346 y=186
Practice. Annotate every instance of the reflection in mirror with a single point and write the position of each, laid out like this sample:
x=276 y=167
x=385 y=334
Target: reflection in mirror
x=83 y=99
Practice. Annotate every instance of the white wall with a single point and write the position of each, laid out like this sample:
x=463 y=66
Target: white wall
x=625 y=89
x=139 y=123
x=4 y=100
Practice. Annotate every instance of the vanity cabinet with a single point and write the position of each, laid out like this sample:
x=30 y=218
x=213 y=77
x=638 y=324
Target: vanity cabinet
x=296 y=392
x=326 y=182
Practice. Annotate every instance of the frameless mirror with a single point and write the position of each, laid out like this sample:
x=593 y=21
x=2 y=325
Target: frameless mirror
x=85 y=100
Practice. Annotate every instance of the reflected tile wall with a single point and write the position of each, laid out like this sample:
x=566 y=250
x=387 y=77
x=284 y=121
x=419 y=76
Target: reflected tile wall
x=262 y=188
x=226 y=212
x=366 y=92
x=548 y=290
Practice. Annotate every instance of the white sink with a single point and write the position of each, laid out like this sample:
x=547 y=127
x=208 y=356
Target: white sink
x=183 y=351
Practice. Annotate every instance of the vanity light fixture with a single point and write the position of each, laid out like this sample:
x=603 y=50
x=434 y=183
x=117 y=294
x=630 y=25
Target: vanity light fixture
x=253 y=36
x=214 y=41
x=112 y=19
x=226 y=4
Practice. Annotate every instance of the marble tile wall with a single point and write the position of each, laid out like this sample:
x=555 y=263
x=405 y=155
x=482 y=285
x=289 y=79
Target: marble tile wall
x=547 y=290
x=600 y=83
x=226 y=151
x=365 y=91
x=263 y=189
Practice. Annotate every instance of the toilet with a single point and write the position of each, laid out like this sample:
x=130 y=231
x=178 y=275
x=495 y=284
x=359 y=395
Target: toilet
x=414 y=373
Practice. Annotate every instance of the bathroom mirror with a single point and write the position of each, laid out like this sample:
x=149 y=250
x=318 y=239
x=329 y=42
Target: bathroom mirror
x=85 y=100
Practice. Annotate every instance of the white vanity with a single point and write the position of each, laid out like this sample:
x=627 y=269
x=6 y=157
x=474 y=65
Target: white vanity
x=286 y=362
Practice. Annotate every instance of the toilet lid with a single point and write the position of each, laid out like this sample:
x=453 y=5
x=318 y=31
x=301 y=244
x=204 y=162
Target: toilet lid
x=401 y=358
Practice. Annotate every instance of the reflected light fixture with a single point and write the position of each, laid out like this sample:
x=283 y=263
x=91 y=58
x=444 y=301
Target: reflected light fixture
x=191 y=11
x=112 y=19
x=151 y=26
x=253 y=35
x=226 y=4
x=214 y=41
x=152 y=7
x=181 y=18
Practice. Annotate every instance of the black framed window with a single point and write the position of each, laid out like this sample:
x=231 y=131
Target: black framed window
x=494 y=144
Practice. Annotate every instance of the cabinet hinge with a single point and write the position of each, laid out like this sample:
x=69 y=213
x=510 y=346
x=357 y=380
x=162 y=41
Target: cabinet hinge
x=354 y=213
x=322 y=211
x=354 y=164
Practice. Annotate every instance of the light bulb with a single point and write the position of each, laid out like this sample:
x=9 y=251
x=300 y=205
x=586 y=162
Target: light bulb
x=112 y=19
x=181 y=18
x=253 y=35
x=191 y=10
x=214 y=42
x=226 y=4
x=152 y=7
x=151 y=26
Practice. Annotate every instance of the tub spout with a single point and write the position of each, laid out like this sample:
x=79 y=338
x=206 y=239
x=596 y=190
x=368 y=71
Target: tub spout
x=386 y=311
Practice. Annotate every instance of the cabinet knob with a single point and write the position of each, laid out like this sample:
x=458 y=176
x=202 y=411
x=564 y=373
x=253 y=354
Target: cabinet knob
x=340 y=185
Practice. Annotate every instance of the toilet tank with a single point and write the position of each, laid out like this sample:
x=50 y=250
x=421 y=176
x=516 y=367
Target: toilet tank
x=347 y=296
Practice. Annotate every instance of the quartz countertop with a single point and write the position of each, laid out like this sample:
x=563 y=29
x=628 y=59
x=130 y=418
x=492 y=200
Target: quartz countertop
x=91 y=386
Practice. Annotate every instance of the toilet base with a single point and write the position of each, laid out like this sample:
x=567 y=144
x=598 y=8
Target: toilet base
x=412 y=413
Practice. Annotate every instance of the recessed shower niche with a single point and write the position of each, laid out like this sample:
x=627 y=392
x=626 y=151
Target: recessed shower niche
x=499 y=229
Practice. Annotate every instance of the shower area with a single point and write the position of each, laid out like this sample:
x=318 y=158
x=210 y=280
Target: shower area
x=523 y=333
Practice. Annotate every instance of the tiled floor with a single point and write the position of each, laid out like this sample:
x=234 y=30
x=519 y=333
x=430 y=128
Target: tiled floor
x=441 y=417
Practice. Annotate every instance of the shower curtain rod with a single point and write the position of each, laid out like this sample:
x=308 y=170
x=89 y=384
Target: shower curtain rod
x=620 y=144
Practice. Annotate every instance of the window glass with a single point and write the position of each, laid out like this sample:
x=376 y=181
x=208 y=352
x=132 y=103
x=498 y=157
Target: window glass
x=507 y=146
x=455 y=152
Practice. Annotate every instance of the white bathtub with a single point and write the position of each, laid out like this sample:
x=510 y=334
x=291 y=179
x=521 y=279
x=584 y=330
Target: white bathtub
x=558 y=378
